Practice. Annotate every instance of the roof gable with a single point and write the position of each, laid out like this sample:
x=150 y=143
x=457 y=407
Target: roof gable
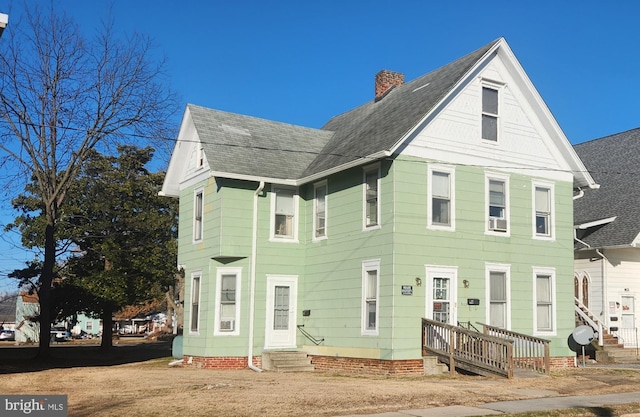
x=244 y=147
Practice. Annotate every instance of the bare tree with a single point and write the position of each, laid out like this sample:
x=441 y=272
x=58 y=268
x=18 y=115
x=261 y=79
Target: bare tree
x=61 y=95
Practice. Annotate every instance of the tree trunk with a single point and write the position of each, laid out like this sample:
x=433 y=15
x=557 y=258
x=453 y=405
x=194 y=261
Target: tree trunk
x=44 y=293
x=107 y=328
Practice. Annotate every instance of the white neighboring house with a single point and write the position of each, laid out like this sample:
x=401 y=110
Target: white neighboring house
x=607 y=235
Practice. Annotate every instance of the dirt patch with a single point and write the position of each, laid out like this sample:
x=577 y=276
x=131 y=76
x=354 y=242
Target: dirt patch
x=137 y=380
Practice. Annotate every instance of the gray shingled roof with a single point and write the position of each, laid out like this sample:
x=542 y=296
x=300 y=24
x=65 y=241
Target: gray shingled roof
x=245 y=145
x=378 y=125
x=614 y=162
x=238 y=144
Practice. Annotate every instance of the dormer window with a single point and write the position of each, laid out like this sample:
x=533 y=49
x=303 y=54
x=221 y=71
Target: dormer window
x=490 y=96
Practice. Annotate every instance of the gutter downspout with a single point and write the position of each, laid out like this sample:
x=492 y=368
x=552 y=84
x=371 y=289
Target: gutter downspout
x=252 y=277
x=605 y=285
x=579 y=195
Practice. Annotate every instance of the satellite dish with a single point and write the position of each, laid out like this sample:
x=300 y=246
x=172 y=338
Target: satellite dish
x=583 y=335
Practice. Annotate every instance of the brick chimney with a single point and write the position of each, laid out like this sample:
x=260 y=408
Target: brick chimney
x=385 y=80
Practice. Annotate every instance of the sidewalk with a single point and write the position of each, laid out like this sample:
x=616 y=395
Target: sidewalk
x=596 y=402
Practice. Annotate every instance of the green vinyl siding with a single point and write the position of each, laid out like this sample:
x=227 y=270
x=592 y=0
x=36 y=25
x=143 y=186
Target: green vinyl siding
x=330 y=270
x=469 y=248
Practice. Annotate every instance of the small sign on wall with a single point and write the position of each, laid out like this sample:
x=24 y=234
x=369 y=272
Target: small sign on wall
x=407 y=290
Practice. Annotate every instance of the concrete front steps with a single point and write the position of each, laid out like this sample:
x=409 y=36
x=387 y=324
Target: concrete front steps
x=286 y=361
x=613 y=352
x=432 y=366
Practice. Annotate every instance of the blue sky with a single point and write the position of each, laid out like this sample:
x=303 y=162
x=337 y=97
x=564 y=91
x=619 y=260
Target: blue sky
x=302 y=62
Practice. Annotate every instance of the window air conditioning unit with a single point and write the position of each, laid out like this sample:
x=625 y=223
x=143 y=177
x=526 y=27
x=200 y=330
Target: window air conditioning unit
x=227 y=325
x=497 y=225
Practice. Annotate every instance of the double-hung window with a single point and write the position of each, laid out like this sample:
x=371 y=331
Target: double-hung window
x=195 y=302
x=320 y=211
x=544 y=296
x=284 y=213
x=370 y=290
x=497 y=189
x=543 y=210
x=498 y=295
x=440 y=194
x=198 y=209
x=227 y=301
x=490 y=103
x=372 y=197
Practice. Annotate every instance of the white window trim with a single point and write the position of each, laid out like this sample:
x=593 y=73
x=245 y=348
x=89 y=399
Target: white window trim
x=219 y=273
x=326 y=211
x=495 y=267
x=552 y=212
x=498 y=86
x=194 y=275
x=452 y=196
x=272 y=221
x=200 y=157
x=366 y=170
x=197 y=191
x=450 y=272
x=370 y=265
x=507 y=206
x=551 y=272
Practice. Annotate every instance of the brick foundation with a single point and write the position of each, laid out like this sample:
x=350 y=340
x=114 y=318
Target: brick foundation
x=562 y=362
x=220 y=362
x=368 y=366
x=357 y=366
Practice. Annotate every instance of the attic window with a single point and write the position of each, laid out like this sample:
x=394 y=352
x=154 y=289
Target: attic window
x=235 y=130
x=489 y=113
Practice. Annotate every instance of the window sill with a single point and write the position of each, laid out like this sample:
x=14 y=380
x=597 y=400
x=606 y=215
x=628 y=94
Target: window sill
x=283 y=240
x=545 y=238
x=369 y=228
x=544 y=335
x=441 y=228
x=499 y=234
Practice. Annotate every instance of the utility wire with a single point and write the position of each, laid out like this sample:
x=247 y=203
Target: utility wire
x=341 y=155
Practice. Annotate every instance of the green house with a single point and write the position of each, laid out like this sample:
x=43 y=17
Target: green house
x=449 y=197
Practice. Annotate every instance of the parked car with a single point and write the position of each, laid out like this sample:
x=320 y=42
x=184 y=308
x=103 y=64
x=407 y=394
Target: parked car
x=60 y=334
x=7 y=335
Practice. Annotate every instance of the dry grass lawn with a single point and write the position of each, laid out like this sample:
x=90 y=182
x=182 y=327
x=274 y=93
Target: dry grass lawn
x=136 y=380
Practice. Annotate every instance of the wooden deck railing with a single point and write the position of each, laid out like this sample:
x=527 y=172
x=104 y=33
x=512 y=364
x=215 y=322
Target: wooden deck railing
x=465 y=349
x=529 y=352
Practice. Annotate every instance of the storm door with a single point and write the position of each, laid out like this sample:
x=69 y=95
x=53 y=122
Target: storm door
x=280 y=331
x=441 y=301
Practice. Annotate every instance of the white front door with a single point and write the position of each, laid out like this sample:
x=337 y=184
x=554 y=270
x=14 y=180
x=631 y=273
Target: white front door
x=282 y=296
x=441 y=294
x=628 y=312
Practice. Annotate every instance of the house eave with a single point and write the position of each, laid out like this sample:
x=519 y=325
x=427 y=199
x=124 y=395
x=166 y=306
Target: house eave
x=594 y=223
x=305 y=180
x=255 y=178
x=340 y=168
